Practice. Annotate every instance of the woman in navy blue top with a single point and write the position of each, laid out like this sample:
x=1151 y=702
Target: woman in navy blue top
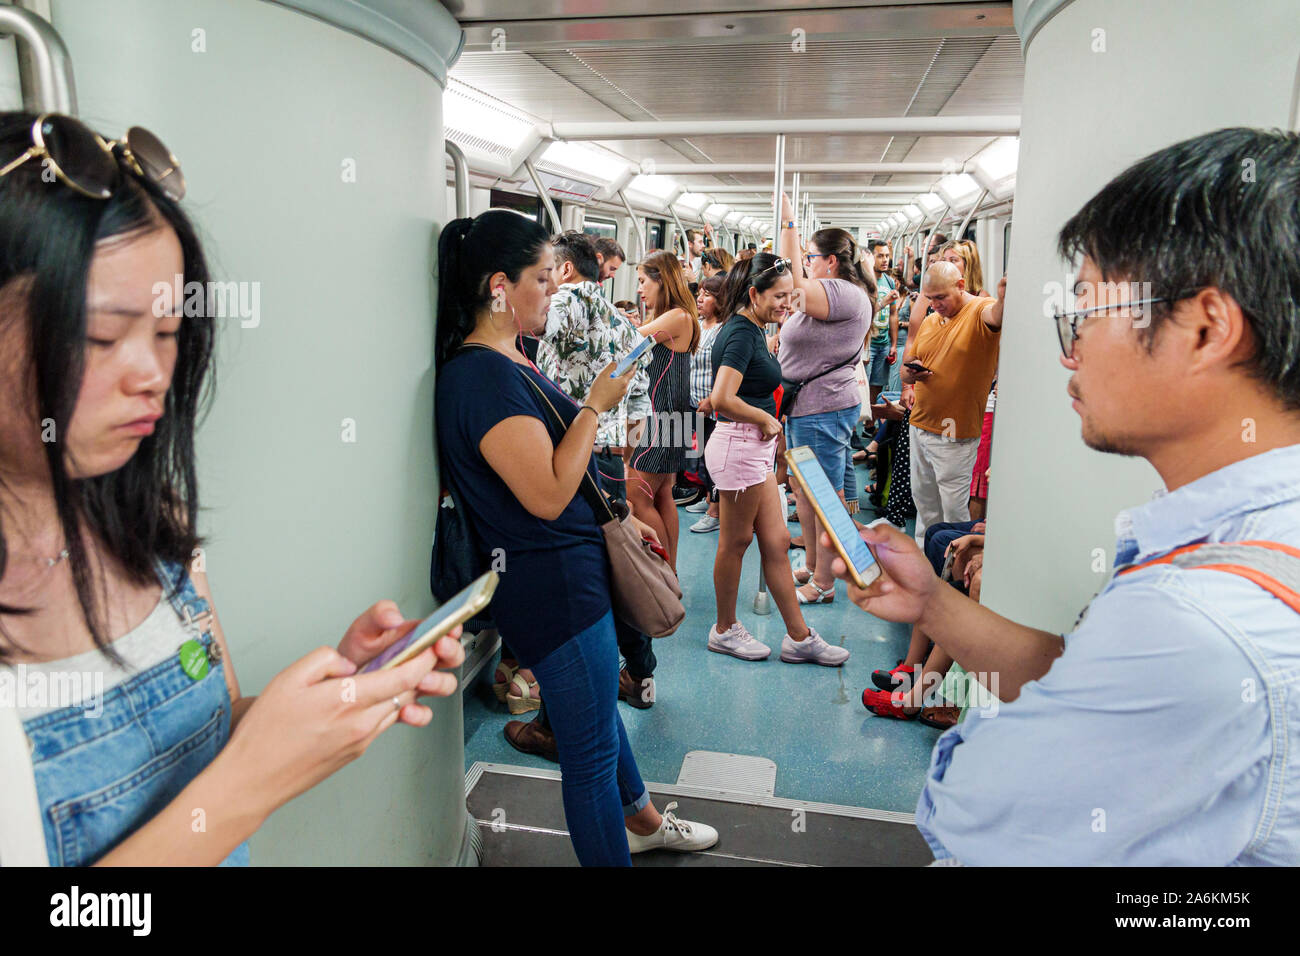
x=519 y=473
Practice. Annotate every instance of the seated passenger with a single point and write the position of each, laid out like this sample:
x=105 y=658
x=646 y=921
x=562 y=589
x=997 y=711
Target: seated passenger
x=99 y=531
x=519 y=472
x=1158 y=731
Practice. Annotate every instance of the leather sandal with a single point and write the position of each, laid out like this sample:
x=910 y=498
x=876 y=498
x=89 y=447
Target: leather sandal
x=501 y=687
x=523 y=696
x=824 y=596
x=942 y=717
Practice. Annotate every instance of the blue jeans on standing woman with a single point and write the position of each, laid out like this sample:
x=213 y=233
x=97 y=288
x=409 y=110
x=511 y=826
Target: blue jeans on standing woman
x=599 y=779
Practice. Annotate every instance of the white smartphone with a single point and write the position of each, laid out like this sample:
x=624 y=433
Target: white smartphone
x=627 y=361
x=833 y=515
x=457 y=610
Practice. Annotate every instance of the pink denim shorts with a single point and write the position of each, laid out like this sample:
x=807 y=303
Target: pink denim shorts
x=738 y=457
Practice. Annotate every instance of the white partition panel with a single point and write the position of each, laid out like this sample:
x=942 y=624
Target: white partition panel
x=315 y=163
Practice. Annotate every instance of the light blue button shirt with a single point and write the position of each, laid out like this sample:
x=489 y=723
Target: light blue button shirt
x=1168 y=733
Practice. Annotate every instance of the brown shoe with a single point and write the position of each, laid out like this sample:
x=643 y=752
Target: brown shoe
x=529 y=738
x=941 y=717
x=638 y=693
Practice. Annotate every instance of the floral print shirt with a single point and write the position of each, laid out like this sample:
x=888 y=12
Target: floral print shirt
x=584 y=333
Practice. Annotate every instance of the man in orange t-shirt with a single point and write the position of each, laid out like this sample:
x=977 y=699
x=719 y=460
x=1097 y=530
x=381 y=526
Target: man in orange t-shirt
x=958 y=345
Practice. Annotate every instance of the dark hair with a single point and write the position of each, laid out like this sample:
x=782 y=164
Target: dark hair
x=874 y=244
x=714 y=285
x=674 y=293
x=1219 y=210
x=718 y=257
x=624 y=304
x=848 y=262
x=609 y=249
x=147 y=509
x=753 y=246
x=577 y=248
x=755 y=272
x=938 y=239
x=692 y=235
x=470 y=252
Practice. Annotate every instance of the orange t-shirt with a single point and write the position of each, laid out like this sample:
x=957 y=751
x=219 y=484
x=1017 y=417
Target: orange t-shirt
x=963 y=354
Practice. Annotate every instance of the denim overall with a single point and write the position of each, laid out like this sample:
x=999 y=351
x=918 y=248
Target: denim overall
x=98 y=779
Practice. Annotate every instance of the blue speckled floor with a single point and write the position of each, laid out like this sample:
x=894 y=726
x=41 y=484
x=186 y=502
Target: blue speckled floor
x=808 y=719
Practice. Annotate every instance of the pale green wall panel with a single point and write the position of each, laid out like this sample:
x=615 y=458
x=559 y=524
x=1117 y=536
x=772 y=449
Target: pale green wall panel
x=306 y=530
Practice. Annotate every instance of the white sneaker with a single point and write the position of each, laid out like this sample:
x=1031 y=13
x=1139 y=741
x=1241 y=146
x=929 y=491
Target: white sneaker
x=700 y=506
x=674 y=834
x=812 y=650
x=738 y=642
x=707 y=523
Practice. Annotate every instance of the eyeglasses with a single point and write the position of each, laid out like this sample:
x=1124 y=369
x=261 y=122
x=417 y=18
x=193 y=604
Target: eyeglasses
x=1067 y=323
x=84 y=161
x=808 y=257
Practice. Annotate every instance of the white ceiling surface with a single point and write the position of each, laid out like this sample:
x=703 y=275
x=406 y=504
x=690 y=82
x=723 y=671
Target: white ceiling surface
x=834 y=76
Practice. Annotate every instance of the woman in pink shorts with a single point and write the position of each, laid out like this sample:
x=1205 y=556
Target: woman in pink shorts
x=740 y=454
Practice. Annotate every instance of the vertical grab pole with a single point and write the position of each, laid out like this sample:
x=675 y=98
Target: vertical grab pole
x=45 y=68
x=636 y=224
x=462 y=178
x=966 y=222
x=545 y=197
x=776 y=194
x=681 y=230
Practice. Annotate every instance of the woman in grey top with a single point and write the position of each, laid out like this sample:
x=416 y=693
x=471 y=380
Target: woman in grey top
x=821 y=345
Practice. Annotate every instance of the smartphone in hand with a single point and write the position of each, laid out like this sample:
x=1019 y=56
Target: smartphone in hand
x=457 y=610
x=833 y=515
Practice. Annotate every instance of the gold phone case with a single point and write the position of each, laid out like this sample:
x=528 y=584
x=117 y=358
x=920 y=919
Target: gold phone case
x=821 y=516
x=486 y=586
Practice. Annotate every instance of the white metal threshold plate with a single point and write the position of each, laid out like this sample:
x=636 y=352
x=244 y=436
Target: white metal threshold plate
x=728 y=773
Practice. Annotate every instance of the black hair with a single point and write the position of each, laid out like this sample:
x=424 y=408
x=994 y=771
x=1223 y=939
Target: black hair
x=610 y=249
x=753 y=245
x=470 y=252
x=576 y=247
x=755 y=272
x=875 y=244
x=1219 y=210
x=49 y=233
x=848 y=264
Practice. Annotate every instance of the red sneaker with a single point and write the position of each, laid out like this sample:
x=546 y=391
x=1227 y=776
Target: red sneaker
x=882 y=704
x=895 y=677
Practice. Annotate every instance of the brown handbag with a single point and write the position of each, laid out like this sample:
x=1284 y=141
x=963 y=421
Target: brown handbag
x=643 y=589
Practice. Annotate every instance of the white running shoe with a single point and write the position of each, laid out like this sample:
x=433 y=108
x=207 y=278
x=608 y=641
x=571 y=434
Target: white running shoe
x=738 y=642
x=674 y=834
x=705 y=524
x=812 y=650
x=700 y=506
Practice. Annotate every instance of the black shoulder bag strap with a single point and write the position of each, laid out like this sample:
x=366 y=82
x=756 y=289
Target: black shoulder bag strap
x=790 y=390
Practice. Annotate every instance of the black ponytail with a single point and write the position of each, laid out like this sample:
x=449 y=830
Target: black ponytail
x=850 y=263
x=755 y=272
x=470 y=252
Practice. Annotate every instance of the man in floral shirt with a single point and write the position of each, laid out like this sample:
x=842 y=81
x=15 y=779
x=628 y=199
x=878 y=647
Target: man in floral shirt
x=584 y=333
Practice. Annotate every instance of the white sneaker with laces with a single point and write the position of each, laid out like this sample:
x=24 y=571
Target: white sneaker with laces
x=812 y=650
x=705 y=524
x=700 y=506
x=738 y=642
x=673 y=834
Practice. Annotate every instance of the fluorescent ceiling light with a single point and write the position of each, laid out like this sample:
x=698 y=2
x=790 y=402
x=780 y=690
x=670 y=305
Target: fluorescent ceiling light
x=594 y=164
x=930 y=203
x=913 y=214
x=693 y=203
x=995 y=167
x=659 y=187
x=958 y=191
x=717 y=211
x=483 y=120
x=732 y=220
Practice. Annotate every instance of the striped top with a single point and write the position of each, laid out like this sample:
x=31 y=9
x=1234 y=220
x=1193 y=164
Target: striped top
x=702 y=366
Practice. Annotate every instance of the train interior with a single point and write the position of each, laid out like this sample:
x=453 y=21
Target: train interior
x=326 y=142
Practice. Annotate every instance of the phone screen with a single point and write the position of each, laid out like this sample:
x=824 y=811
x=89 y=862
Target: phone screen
x=626 y=363
x=841 y=525
x=441 y=620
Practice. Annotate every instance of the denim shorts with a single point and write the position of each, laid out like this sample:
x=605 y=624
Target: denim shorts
x=100 y=778
x=738 y=456
x=827 y=434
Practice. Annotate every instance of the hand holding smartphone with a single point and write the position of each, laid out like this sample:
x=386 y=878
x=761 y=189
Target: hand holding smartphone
x=628 y=360
x=457 y=610
x=835 y=519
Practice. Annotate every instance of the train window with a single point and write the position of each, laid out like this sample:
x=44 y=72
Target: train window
x=530 y=206
x=600 y=228
x=654 y=236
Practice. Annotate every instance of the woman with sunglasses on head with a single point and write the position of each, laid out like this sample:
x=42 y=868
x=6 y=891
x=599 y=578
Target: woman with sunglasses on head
x=820 y=346
x=100 y=388
x=672 y=321
x=715 y=261
x=520 y=451
x=740 y=455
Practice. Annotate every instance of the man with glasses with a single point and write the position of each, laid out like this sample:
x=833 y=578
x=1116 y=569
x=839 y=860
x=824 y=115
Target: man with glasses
x=1163 y=730
x=957 y=349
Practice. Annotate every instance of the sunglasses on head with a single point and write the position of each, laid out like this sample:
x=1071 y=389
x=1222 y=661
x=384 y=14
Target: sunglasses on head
x=779 y=267
x=85 y=162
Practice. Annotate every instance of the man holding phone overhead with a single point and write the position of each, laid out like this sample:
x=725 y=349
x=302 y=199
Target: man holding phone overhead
x=952 y=360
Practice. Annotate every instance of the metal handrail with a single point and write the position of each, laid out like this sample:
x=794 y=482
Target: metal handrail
x=461 y=168
x=48 y=85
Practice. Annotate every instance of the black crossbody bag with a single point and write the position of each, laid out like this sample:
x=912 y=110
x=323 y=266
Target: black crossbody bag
x=790 y=390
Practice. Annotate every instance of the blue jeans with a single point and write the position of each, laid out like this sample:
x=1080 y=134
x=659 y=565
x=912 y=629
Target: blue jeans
x=99 y=779
x=827 y=434
x=939 y=536
x=598 y=776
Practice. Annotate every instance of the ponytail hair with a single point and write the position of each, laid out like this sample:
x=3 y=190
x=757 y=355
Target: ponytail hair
x=851 y=263
x=755 y=272
x=470 y=252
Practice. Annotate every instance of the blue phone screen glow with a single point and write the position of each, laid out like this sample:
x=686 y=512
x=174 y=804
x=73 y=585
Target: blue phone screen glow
x=641 y=348
x=833 y=508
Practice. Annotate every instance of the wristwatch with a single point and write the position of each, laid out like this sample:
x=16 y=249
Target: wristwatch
x=790 y=224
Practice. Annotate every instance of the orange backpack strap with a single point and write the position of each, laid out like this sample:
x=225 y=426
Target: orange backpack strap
x=1273 y=566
